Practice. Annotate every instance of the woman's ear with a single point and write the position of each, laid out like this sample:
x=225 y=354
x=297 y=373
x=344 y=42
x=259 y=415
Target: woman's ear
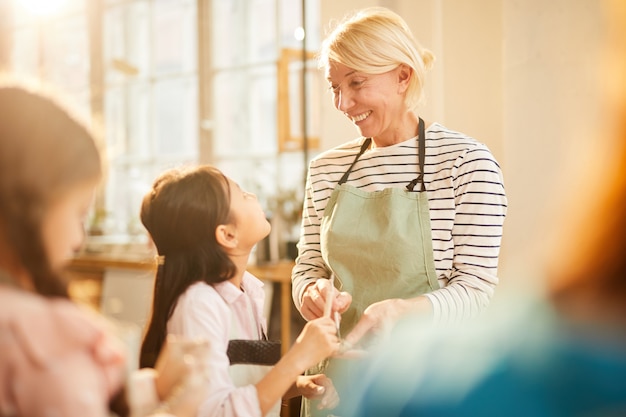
x=226 y=236
x=404 y=77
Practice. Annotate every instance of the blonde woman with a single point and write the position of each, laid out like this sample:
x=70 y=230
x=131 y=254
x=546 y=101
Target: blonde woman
x=408 y=216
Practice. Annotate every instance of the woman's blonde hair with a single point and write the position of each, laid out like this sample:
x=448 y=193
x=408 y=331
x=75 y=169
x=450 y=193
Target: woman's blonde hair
x=376 y=40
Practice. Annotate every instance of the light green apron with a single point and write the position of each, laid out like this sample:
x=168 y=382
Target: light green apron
x=379 y=245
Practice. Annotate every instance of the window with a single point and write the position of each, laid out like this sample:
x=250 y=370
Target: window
x=172 y=82
x=149 y=54
x=247 y=42
x=45 y=46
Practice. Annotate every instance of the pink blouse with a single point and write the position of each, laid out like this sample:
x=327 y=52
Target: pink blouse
x=204 y=312
x=55 y=358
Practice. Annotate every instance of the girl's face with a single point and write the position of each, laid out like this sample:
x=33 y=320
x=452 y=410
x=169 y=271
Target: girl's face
x=248 y=216
x=63 y=224
x=374 y=103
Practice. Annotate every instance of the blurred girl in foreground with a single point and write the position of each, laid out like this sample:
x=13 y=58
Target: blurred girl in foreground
x=57 y=359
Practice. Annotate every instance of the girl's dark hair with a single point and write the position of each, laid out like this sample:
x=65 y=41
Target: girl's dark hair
x=181 y=213
x=44 y=151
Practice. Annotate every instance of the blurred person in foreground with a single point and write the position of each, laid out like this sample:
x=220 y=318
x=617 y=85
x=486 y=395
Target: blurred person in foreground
x=559 y=355
x=57 y=358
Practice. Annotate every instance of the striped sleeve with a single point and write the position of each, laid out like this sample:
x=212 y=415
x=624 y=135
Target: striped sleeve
x=467 y=236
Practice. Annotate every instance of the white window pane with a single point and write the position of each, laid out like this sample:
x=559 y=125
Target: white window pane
x=176 y=118
x=25 y=51
x=31 y=12
x=175 y=37
x=127 y=44
x=245 y=112
x=291 y=19
x=126 y=186
x=115 y=121
x=262 y=107
x=257 y=176
x=65 y=49
x=127 y=117
x=228 y=30
x=313 y=35
x=243 y=32
x=262 y=32
x=115 y=220
x=138 y=109
x=230 y=92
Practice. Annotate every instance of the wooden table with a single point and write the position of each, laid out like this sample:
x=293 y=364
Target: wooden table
x=92 y=267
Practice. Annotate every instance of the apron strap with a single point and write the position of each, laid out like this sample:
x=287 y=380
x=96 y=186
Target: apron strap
x=421 y=144
x=364 y=147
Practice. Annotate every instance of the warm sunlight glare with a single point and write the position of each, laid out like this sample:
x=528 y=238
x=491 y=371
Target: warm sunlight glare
x=42 y=7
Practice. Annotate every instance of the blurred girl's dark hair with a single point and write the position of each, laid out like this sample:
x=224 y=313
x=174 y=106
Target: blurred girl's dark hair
x=44 y=151
x=181 y=213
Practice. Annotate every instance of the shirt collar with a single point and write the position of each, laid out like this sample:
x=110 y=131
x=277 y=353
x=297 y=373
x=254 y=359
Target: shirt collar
x=249 y=283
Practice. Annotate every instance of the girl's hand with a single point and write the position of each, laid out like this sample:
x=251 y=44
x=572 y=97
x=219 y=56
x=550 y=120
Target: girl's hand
x=318 y=387
x=178 y=360
x=317 y=341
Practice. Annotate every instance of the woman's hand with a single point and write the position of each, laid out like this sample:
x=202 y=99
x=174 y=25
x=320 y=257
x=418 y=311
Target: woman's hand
x=314 y=299
x=318 y=387
x=378 y=318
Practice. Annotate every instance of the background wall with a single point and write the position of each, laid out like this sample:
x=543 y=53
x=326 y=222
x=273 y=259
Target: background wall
x=520 y=76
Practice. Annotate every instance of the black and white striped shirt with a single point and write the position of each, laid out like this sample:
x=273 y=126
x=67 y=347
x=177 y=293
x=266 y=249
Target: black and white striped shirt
x=467 y=206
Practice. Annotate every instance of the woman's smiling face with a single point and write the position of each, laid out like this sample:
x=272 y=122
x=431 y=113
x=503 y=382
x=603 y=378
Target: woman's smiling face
x=373 y=102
